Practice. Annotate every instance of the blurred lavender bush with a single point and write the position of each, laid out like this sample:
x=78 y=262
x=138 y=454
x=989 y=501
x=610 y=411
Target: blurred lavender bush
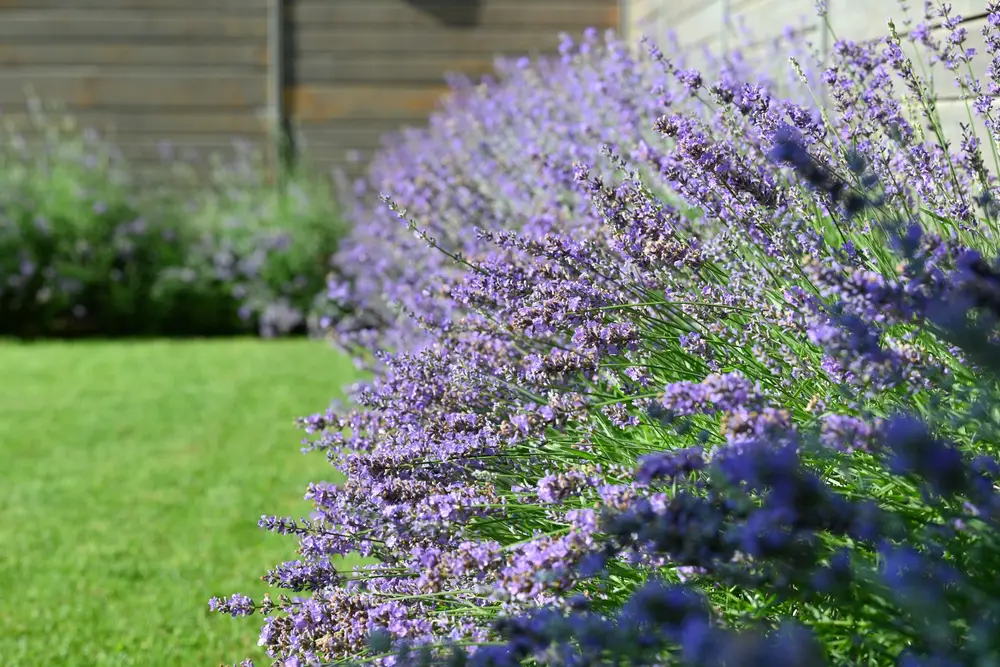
x=88 y=249
x=671 y=367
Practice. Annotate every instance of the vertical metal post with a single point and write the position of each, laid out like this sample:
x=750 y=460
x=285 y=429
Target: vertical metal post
x=277 y=141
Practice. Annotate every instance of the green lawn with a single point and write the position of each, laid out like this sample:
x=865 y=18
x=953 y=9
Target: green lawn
x=132 y=476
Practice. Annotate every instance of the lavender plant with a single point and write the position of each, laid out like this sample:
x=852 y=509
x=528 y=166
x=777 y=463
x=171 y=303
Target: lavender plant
x=632 y=323
x=267 y=250
x=77 y=249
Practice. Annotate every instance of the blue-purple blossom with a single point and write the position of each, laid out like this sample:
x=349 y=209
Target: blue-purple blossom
x=669 y=465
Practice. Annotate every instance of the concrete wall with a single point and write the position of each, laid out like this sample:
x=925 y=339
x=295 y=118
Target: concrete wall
x=721 y=24
x=696 y=23
x=715 y=21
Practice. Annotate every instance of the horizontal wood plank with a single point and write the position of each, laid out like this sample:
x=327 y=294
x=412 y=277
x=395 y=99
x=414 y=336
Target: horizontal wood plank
x=561 y=14
x=88 y=88
x=158 y=145
x=150 y=151
x=330 y=155
x=179 y=140
x=143 y=122
x=387 y=69
x=354 y=133
x=158 y=174
x=342 y=102
x=121 y=25
x=179 y=177
x=337 y=133
x=166 y=151
x=246 y=56
x=328 y=164
x=243 y=6
x=485 y=40
x=340 y=139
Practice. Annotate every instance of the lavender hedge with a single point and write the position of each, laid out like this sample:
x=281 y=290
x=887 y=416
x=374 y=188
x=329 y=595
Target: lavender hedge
x=671 y=367
x=88 y=249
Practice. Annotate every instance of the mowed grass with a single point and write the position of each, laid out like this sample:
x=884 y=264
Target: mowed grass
x=132 y=475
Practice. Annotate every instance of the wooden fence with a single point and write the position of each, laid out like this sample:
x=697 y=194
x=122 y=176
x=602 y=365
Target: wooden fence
x=358 y=68
x=193 y=75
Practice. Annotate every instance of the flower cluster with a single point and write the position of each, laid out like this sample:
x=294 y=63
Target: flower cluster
x=783 y=543
x=629 y=322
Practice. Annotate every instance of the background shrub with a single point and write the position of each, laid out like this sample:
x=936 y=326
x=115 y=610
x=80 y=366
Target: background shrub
x=80 y=251
x=267 y=250
x=86 y=249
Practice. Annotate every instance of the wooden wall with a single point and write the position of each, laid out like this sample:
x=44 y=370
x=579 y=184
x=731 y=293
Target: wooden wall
x=194 y=73
x=185 y=73
x=358 y=68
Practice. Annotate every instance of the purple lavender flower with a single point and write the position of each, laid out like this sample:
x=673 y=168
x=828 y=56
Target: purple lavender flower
x=556 y=488
x=632 y=236
x=915 y=451
x=236 y=605
x=669 y=465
